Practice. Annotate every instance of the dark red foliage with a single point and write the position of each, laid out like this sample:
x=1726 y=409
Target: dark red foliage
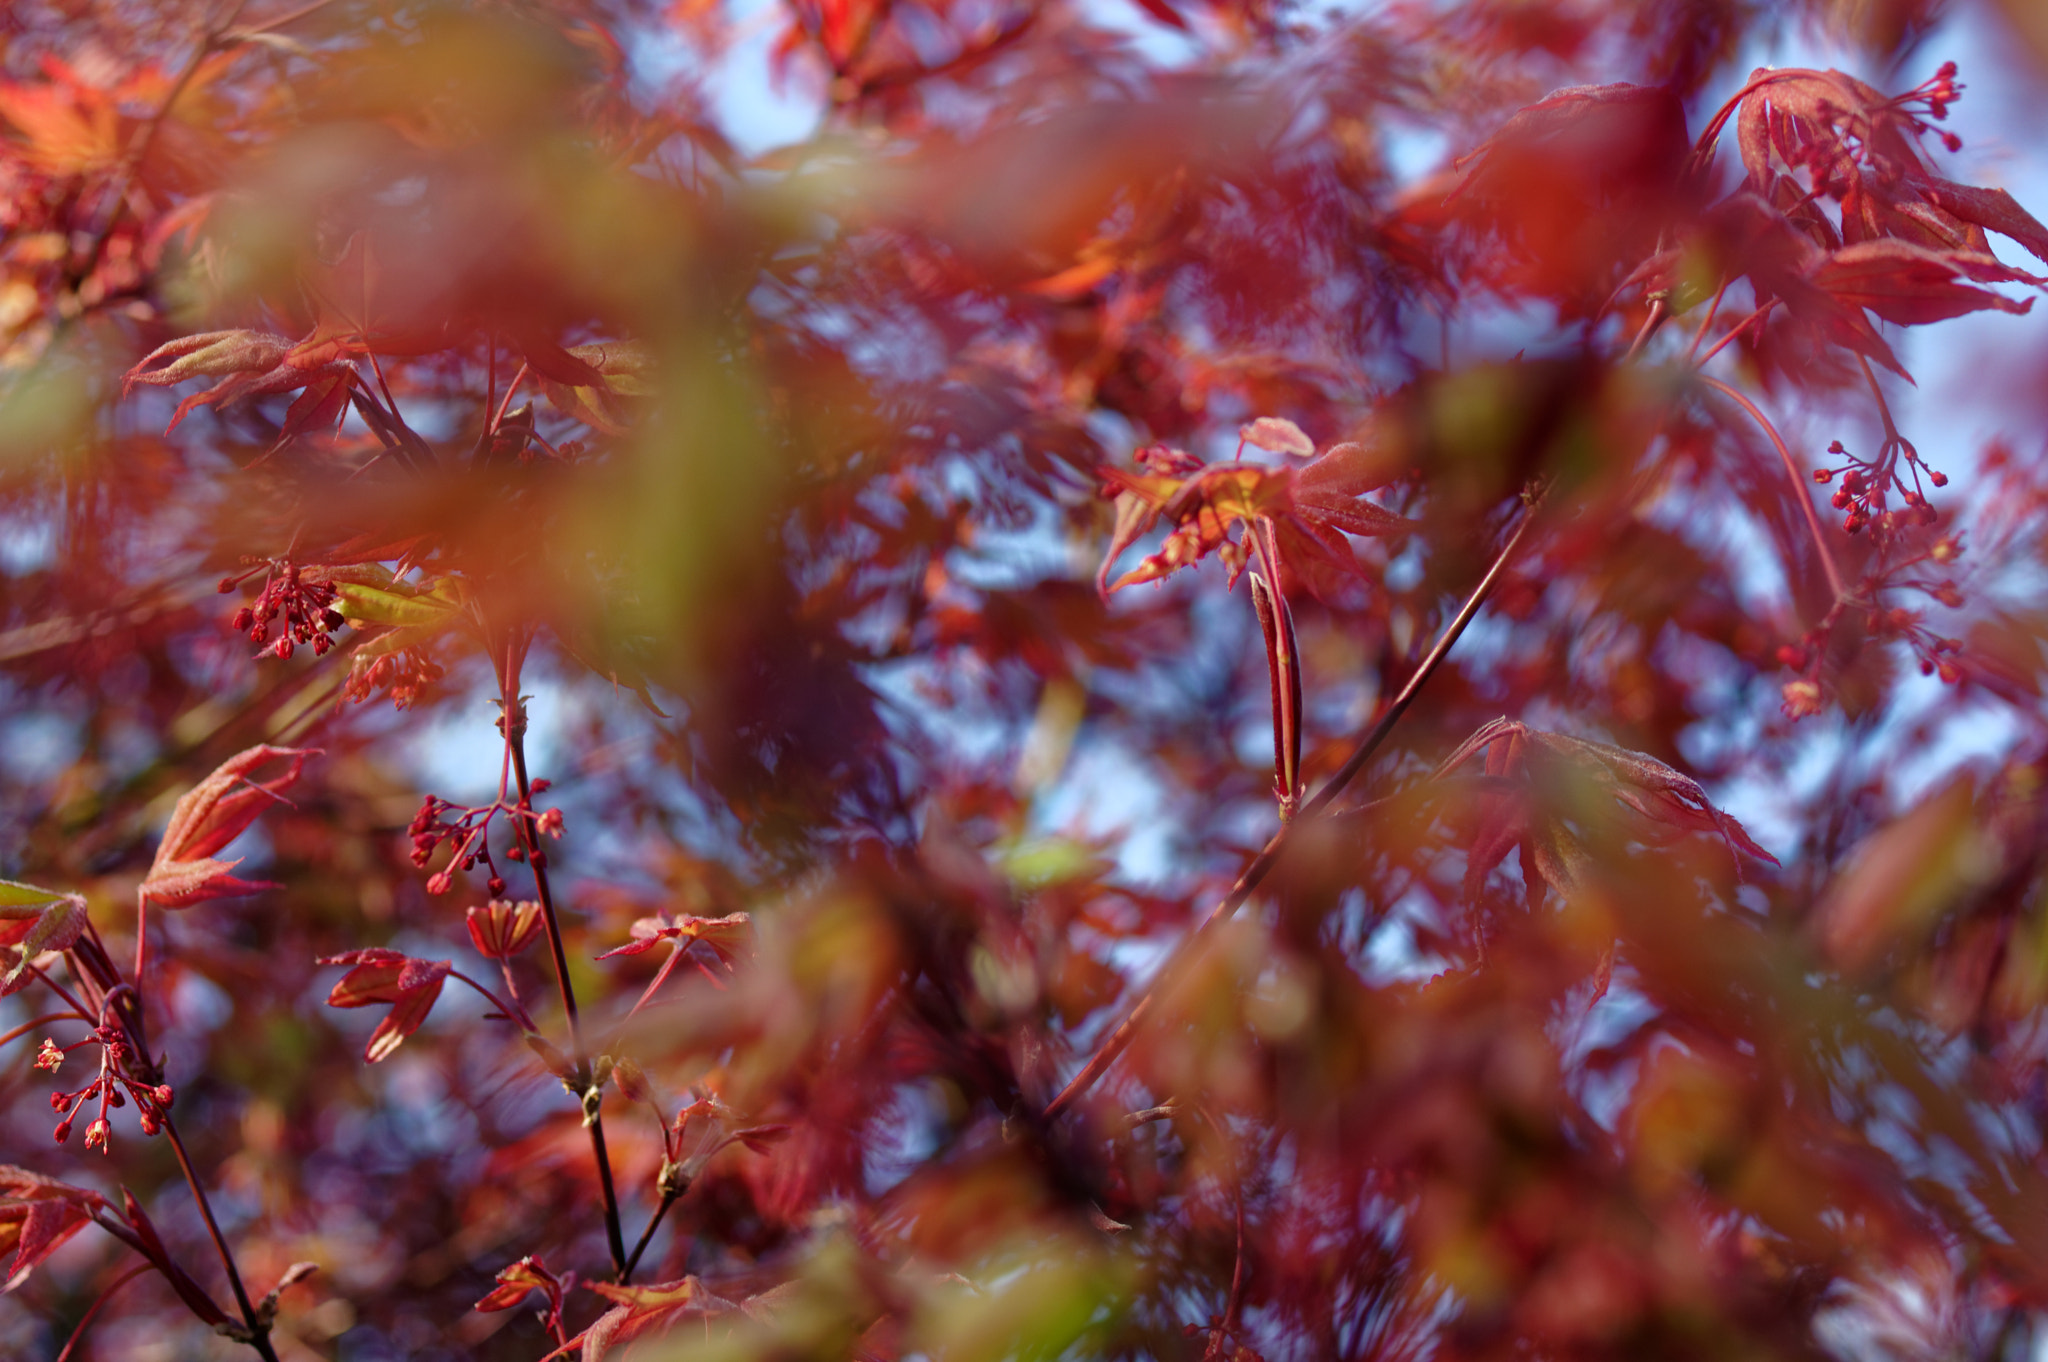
x=661 y=607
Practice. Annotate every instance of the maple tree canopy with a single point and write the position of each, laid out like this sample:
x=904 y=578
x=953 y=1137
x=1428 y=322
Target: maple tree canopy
x=980 y=679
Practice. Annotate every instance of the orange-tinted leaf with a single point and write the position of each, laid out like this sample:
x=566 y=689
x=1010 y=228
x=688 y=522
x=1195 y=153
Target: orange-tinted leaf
x=381 y=975
x=729 y=936
x=639 y=1309
x=1280 y=435
x=514 y=1282
x=207 y=819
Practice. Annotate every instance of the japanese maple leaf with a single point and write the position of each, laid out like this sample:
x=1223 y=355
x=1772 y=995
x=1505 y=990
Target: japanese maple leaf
x=32 y=921
x=248 y=364
x=727 y=936
x=638 y=1310
x=1521 y=760
x=1862 y=148
x=37 y=1214
x=206 y=819
x=1300 y=515
x=381 y=975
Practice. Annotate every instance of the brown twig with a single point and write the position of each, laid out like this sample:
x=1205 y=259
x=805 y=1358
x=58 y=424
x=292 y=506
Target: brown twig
x=259 y=1331
x=646 y=1235
x=536 y=860
x=1262 y=864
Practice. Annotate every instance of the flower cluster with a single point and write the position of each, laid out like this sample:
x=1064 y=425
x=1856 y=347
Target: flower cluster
x=1867 y=483
x=305 y=602
x=406 y=672
x=151 y=1100
x=1933 y=96
x=467 y=828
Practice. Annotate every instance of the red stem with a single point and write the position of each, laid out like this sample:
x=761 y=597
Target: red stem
x=79 y=1332
x=1262 y=864
x=1800 y=493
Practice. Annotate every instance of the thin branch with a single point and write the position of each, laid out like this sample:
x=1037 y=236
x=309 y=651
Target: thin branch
x=18 y=1032
x=1649 y=327
x=1262 y=864
x=516 y=1015
x=259 y=1332
x=515 y=738
x=1737 y=330
x=1706 y=322
x=646 y=1235
x=272 y=25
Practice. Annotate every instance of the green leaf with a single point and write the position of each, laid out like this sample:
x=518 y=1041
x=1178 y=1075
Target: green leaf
x=14 y=894
x=360 y=602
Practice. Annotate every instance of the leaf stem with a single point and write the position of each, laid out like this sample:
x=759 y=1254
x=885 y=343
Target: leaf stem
x=18 y=1032
x=1262 y=864
x=513 y=1014
x=1800 y=493
x=79 y=1332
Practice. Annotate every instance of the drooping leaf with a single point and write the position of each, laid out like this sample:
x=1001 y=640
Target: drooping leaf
x=37 y=1214
x=1992 y=209
x=1648 y=787
x=639 y=1310
x=249 y=364
x=1907 y=284
x=517 y=1280
x=380 y=975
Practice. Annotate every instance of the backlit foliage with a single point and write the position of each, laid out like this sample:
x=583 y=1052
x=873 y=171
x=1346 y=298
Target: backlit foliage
x=617 y=742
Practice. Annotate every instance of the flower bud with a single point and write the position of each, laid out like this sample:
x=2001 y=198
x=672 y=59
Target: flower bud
x=501 y=930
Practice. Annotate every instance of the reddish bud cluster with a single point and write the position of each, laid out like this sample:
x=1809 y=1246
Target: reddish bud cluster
x=405 y=673
x=468 y=830
x=1933 y=96
x=1867 y=484
x=305 y=602
x=152 y=1100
